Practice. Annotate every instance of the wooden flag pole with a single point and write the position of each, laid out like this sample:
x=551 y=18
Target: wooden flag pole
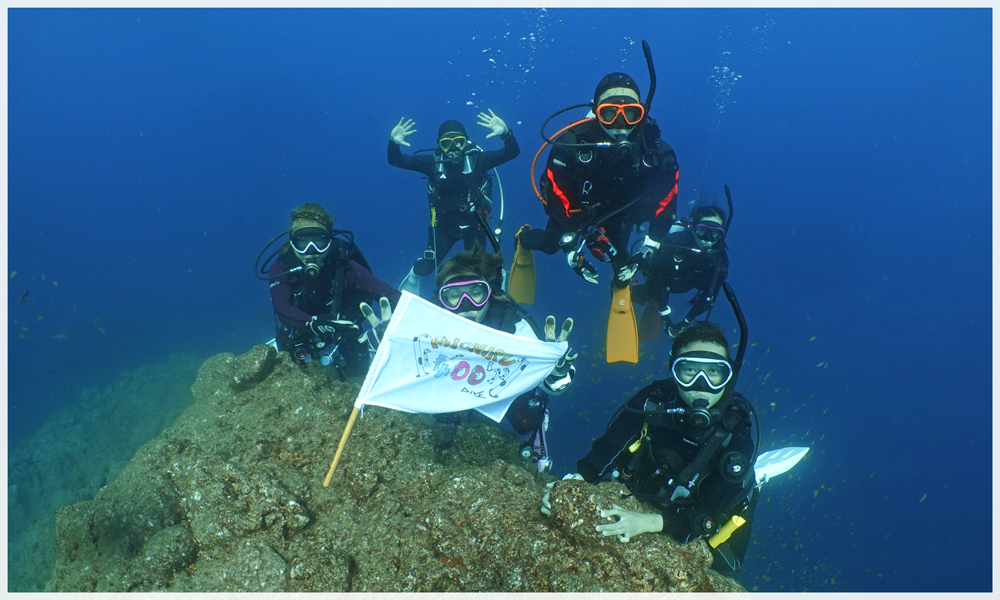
x=340 y=448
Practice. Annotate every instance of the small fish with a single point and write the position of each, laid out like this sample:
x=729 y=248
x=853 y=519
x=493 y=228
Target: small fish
x=813 y=337
x=98 y=320
x=822 y=363
x=24 y=297
x=55 y=283
x=24 y=329
x=13 y=275
x=101 y=329
x=147 y=341
x=43 y=276
x=64 y=333
x=922 y=498
x=753 y=344
x=40 y=317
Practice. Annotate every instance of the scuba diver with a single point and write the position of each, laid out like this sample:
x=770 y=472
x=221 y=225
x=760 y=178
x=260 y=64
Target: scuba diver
x=692 y=256
x=605 y=175
x=469 y=284
x=686 y=446
x=458 y=186
x=318 y=282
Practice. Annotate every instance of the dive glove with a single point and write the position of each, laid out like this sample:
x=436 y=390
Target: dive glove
x=581 y=266
x=402 y=130
x=674 y=329
x=630 y=523
x=373 y=336
x=328 y=325
x=562 y=374
x=491 y=121
x=637 y=260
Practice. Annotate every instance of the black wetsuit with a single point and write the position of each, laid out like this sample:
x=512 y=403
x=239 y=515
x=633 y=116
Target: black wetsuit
x=452 y=185
x=582 y=186
x=677 y=267
x=670 y=444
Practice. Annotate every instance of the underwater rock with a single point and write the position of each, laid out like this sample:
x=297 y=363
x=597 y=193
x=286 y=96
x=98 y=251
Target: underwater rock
x=252 y=367
x=230 y=499
x=78 y=451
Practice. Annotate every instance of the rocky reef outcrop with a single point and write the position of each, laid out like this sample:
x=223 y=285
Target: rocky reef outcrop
x=230 y=499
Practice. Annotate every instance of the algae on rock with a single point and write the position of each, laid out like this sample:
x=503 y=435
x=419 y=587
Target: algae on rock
x=230 y=498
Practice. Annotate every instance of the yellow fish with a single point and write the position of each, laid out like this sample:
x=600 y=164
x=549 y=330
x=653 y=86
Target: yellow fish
x=813 y=337
x=753 y=344
x=13 y=275
x=40 y=317
x=55 y=283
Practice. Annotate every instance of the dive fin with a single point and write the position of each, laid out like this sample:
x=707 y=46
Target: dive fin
x=649 y=325
x=521 y=283
x=411 y=284
x=775 y=462
x=623 y=337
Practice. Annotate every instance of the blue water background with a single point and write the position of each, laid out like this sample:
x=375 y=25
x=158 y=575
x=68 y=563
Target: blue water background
x=153 y=153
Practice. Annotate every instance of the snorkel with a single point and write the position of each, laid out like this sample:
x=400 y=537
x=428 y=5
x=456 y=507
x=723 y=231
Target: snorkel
x=591 y=105
x=649 y=98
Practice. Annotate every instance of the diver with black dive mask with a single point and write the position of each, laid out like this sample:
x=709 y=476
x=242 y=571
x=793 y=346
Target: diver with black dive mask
x=318 y=281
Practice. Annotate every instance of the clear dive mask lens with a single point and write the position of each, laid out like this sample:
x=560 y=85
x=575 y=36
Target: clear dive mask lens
x=715 y=372
x=311 y=240
x=477 y=291
x=607 y=112
x=708 y=233
x=453 y=144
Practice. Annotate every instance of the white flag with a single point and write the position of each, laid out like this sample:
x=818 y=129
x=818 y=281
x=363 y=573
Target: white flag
x=433 y=361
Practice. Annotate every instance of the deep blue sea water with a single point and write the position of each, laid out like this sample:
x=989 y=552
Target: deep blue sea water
x=153 y=152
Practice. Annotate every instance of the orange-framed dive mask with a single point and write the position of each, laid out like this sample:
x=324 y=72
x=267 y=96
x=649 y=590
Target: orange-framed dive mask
x=607 y=112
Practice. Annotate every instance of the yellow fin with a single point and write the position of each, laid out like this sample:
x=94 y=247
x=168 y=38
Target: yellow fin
x=623 y=335
x=521 y=283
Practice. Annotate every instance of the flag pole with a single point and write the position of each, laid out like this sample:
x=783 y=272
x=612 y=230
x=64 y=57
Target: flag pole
x=340 y=448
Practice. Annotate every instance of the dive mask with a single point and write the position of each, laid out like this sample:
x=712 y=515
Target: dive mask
x=311 y=240
x=709 y=232
x=632 y=112
x=707 y=368
x=453 y=295
x=455 y=143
